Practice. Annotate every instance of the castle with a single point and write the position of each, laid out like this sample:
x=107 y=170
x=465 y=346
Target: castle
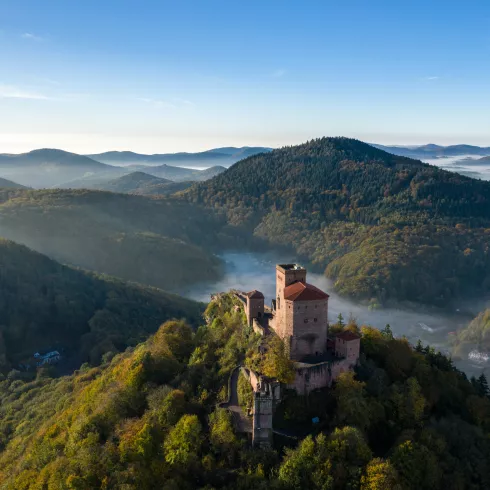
x=298 y=315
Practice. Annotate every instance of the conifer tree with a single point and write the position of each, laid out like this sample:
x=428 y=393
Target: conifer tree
x=483 y=385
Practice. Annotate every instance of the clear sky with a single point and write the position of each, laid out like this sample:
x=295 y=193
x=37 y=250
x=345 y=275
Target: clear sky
x=164 y=76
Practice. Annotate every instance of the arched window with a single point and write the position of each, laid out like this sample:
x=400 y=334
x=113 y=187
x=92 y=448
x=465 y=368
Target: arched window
x=278 y=303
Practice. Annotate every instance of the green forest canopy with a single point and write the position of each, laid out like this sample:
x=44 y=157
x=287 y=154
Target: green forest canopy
x=382 y=226
x=45 y=305
x=148 y=419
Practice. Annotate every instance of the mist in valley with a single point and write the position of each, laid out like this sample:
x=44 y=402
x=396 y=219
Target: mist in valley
x=463 y=164
x=248 y=271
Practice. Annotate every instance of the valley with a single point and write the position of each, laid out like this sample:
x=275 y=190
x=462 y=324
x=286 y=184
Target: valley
x=244 y=245
x=375 y=229
x=157 y=242
x=246 y=271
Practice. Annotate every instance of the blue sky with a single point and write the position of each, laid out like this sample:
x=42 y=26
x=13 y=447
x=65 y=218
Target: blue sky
x=158 y=76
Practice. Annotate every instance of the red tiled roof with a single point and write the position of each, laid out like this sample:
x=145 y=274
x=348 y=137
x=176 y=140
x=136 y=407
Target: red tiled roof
x=300 y=291
x=347 y=335
x=255 y=294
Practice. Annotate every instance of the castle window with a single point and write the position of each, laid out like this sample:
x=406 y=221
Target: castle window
x=315 y=319
x=306 y=320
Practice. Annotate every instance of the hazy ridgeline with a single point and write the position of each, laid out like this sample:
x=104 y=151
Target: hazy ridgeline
x=48 y=168
x=388 y=232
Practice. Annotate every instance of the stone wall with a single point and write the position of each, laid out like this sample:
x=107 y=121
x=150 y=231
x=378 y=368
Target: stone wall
x=350 y=349
x=257 y=327
x=306 y=326
x=309 y=378
x=254 y=379
x=322 y=375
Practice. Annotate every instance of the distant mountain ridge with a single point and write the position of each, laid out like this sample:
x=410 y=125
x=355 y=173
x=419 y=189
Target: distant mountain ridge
x=47 y=167
x=143 y=184
x=475 y=162
x=181 y=174
x=431 y=151
x=176 y=175
x=225 y=156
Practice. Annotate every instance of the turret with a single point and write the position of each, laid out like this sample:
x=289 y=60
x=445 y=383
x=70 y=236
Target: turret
x=255 y=306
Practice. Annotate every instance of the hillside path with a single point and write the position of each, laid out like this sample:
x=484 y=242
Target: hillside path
x=241 y=422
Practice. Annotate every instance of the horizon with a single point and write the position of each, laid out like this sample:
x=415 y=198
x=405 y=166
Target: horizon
x=207 y=149
x=170 y=77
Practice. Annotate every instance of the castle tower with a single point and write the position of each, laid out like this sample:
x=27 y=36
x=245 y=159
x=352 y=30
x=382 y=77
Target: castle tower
x=301 y=315
x=286 y=274
x=255 y=306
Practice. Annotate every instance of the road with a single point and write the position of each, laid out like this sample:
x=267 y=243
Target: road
x=241 y=422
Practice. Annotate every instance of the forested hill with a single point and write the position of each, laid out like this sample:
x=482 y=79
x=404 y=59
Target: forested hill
x=45 y=306
x=8 y=184
x=475 y=336
x=148 y=419
x=162 y=243
x=383 y=226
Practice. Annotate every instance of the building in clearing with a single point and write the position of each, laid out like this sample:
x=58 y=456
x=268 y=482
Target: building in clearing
x=52 y=357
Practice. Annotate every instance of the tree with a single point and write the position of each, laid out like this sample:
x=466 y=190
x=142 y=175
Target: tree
x=408 y=403
x=387 y=332
x=352 y=406
x=221 y=432
x=340 y=320
x=298 y=466
x=417 y=466
x=483 y=385
x=380 y=475
x=170 y=409
x=276 y=363
x=183 y=443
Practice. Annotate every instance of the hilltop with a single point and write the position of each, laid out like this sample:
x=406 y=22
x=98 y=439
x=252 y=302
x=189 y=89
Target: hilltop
x=384 y=227
x=45 y=305
x=149 y=418
x=47 y=167
x=143 y=184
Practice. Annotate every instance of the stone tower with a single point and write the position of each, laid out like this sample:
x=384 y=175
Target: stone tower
x=254 y=307
x=286 y=274
x=301 y=314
